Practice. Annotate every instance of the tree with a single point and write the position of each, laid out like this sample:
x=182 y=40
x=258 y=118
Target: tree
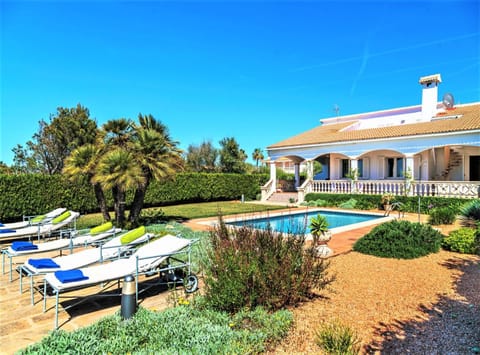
x=117 y=170
x=23 y=162
x=156 y=154
x=257 y=155
x=127 y=157
x=5 y=169
x=45 y=153
x=202 y=158
x=232 y=158
x=117 y=132
x=82 y=162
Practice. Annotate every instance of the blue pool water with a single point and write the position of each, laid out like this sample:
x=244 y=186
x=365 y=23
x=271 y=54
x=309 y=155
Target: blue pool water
x=298 y=223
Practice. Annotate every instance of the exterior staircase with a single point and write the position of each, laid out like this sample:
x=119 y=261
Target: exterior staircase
x=454 y=161
x=283 y=197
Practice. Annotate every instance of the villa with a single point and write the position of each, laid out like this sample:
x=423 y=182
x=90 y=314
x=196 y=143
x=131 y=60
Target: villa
x=432 y=149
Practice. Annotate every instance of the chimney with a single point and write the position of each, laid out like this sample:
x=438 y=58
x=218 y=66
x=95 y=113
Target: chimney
x=429 y=95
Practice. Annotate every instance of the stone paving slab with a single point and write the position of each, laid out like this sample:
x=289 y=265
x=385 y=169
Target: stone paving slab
x=22 y=324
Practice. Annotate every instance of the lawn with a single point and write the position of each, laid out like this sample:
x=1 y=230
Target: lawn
x=186 y=211
x=212 y=209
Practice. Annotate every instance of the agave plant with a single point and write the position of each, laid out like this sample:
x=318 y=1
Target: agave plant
x=318 y=225
x=470 y=214
x=321 y=235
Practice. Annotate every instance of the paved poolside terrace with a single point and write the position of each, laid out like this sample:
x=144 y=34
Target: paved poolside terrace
x=23 y=324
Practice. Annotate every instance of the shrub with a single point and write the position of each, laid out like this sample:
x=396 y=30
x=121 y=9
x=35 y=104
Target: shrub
x=410 y=203
x=348 y=204
x=400 y=239
x=441 y=215
x=337 y=338
x=477 y=240
x=315 y=203
x=462 y=240
x=179 y=330
x=470 y=213
x=152 y=216
x=250 y=267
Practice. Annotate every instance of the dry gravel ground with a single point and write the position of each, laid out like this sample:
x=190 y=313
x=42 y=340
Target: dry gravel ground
x=429 y=305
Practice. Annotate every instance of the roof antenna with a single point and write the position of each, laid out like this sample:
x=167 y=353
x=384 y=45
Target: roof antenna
x=448 y=101
x=336 y=108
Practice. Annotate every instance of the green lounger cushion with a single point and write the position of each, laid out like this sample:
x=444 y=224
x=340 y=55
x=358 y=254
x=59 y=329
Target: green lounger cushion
x=38 y=219
x=61 y=218
x=132 y=235
x=101 y=228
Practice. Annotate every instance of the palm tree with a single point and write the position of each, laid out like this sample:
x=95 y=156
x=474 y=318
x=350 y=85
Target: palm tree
x=116 y=132
x=149 y=122
x=82 y=162
x=157 y=156
x=257 y=155
x=118 y=170
x=127 y=157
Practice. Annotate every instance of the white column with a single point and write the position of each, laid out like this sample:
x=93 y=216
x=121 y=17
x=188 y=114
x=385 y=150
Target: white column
x=309 y=169
x=354 y=177
x=409 y=173
x=410 y=165
x=273 y=174
x=354 y=165
x=297 y=174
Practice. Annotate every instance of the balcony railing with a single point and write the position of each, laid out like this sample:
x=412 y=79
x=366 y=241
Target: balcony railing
x=465 y=189
x=461 y=189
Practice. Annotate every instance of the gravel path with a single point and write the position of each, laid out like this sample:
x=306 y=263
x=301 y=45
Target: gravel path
x=429 y=305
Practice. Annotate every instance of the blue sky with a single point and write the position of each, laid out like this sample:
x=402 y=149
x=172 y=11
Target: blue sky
x=259 y=71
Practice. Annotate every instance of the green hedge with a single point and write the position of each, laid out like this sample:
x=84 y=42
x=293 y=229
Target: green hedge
x=410 y=203
x=194 y=187
x=35 y=194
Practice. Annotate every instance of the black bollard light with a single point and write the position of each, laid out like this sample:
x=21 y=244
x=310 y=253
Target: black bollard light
x=129 y=302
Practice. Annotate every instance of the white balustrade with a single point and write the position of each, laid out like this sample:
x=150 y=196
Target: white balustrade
x=461 y=189
x=267 y=190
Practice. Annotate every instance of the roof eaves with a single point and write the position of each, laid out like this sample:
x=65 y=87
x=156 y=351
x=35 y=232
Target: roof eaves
x=366 y=140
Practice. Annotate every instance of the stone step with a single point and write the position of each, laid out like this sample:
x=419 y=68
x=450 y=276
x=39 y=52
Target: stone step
x=283 y=197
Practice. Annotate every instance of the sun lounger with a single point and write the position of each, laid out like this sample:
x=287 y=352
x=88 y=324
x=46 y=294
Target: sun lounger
x=75 y=239
x=42 y=229
x=33 y=220
x=114 y=248
x=158 y=257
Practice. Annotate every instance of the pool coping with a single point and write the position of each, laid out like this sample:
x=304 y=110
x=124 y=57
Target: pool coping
x=337 y=230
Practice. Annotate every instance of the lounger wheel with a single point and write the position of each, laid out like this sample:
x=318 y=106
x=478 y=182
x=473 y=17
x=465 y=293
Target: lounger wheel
x=191 y=283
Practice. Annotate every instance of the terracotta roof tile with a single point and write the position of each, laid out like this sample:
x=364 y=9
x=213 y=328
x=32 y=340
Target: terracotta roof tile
x=469 y=119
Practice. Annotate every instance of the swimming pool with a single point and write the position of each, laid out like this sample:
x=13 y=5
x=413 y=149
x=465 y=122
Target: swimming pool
x=298 y=222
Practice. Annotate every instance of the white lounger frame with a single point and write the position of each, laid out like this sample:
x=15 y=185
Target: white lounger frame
x=121 y=250
x=157 y=267
x=63 y=244
x=41 y=229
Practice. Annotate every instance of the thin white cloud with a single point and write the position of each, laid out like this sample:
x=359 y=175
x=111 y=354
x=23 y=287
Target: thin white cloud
x=387 y=52
x=361 y=70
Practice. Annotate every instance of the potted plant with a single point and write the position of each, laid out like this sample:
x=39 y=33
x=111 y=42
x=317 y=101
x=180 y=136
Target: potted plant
x=387 y=199
x=321 y=235
x=352 y=175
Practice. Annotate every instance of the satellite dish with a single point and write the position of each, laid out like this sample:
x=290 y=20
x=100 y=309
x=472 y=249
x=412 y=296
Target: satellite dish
x=448 y=100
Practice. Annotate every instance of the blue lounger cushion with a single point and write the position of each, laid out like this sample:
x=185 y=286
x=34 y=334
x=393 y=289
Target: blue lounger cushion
x=65 y=276
x=43 y=263
x=7 y=231
x=2 y=225
x=21 y=246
